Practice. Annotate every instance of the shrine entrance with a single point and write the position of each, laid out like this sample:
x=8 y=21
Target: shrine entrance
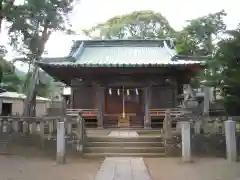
x=126 y=104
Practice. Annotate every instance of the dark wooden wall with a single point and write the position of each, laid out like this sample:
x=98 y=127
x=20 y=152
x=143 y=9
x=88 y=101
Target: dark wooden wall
x=163 y=97
x=84 y=98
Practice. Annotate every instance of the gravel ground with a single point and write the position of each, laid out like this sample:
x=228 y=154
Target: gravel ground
x=22 y=168
x=200 y=169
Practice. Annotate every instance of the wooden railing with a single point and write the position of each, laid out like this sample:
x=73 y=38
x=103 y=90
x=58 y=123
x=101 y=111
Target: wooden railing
x=85 y=112
x=153 y=112
x=173 y=111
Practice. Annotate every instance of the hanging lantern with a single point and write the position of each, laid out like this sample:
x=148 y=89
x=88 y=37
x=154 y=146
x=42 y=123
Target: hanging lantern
x=118 y=92
x=110 y=91
x=128 y=92
x=136 y=91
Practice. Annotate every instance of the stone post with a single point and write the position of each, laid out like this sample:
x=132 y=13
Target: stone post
x=197 y=126
x=60 y=143
x=16 y=126
x=33 y=127
x=41 y=128
x=25 y=127
x=50 y=126
x=1 y=124
x=206 y=101
x=69 y=128
x=147 y=96
x=167 y=125
x=5 y=126
x=81 y=136
x=186 y=141
x=231 y=146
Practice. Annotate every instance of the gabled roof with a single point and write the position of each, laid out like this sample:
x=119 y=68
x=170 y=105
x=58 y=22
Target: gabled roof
x=15 y=95
x=121 y=53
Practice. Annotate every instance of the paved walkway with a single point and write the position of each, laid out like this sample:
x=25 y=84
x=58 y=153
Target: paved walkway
x=123 y=168
x=123 y=134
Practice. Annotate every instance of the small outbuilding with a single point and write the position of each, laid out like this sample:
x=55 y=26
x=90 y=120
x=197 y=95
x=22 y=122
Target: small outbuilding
x=12 y=103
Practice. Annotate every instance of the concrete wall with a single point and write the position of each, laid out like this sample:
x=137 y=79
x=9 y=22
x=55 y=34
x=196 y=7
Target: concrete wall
x=18 y=106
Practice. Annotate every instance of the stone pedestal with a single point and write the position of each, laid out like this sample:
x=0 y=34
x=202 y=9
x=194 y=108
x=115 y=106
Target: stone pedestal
x=60 y=143
x=186 y=141
x=231 y=146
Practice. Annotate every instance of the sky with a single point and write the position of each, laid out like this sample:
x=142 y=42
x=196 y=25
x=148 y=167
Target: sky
x=88 y=13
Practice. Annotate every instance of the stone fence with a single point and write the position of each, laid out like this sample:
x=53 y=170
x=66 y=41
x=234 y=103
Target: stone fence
x=44 y=132
x=202 y=136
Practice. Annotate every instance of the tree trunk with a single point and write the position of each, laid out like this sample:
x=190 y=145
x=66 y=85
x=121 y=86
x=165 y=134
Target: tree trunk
x=31 y=93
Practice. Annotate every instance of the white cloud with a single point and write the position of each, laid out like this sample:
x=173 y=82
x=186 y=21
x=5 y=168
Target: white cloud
x=91 y=12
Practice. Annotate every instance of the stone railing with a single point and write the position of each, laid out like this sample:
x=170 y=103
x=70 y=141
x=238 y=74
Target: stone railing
x=46 y=128
x=207 y=134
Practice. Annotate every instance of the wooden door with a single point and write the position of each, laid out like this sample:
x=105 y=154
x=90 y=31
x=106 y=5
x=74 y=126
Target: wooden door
x=133 y=107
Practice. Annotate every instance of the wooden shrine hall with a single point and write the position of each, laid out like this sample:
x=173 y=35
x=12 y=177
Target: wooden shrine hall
x=123 y=83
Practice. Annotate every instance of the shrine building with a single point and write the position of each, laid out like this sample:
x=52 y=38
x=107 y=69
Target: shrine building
x=123 y=83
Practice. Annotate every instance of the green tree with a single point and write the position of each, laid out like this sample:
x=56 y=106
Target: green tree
x=228 y=74
x=8 y=78
x=42 y=89
x=200 y=38
x=6 y=9
x=200 y=35
x=136 y=25
x=33 y=26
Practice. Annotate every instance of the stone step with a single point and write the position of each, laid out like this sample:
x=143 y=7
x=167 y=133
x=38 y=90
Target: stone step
x=103 y=155
x=124 y=150
x=125 y=144
x=125 y=139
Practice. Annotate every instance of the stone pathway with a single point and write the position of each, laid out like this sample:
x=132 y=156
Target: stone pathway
x=123 y=169
x=123 y=134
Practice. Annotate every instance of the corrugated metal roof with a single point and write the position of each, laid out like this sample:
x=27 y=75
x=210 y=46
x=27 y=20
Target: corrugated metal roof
x=16 y=95
x=124 y=55
x=121 y=53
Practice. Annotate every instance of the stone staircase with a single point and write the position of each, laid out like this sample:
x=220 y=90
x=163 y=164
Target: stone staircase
x=124 y=147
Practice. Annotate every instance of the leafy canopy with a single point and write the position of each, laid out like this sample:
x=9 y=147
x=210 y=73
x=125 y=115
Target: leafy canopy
x=136 y=25
x=228 y=60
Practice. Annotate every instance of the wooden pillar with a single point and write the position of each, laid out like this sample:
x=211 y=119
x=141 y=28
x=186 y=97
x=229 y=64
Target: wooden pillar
x=100 y=100
x=147 y=98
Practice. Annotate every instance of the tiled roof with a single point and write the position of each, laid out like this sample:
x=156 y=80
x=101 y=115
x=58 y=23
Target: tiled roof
x=121 y=53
